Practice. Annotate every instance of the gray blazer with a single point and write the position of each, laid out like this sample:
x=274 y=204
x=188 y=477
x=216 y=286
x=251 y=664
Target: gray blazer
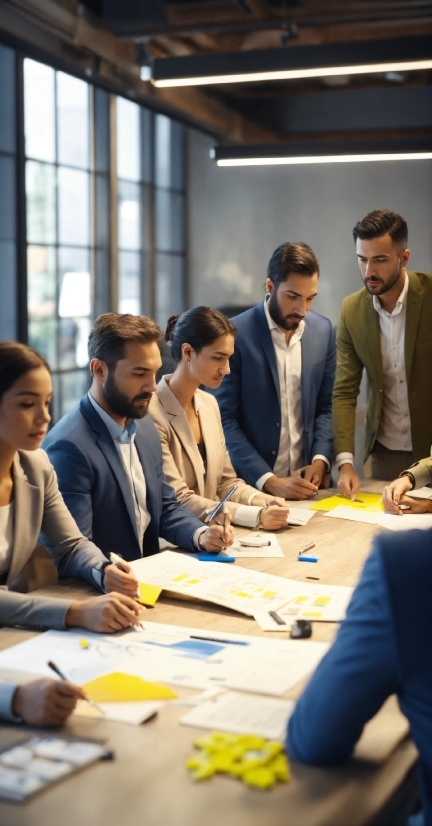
x=39 y=507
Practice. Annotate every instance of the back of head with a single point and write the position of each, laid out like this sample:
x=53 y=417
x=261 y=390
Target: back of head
x=382 y=222
x=290 y=258
x=112 y=331
x=198 y=327
x=16 y=360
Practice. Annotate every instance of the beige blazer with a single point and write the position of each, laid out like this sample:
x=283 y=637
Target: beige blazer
x=196 y=487
x=39 y=506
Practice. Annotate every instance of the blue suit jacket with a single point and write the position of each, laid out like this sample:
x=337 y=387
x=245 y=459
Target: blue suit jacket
x=249 y=398
x=383 y=647
x=97 y=492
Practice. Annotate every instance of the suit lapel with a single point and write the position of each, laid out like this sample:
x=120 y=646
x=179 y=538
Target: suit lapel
x=266 y=342
x=28 y=509
x=307 y=360
x=178 y=421
x=106 y=444
x=209 y=433
x=413 y=312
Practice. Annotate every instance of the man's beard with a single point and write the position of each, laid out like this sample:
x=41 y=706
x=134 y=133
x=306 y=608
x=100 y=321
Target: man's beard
x=385 y=286
x=120 y=404
x=287 y=322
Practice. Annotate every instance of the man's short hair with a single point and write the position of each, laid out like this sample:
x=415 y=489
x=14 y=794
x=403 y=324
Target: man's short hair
x=382 y=222
x=112 y=331
x=290 y=258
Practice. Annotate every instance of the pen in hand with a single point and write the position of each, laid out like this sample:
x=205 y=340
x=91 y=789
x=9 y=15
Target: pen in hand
x=60 y=674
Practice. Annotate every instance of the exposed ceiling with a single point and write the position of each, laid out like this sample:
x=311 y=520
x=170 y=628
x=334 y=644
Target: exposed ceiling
x=136 y=31
x=310 y=109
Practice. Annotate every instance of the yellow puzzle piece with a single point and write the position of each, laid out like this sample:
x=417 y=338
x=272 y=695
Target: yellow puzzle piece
x=249 y=758
x=124 y=688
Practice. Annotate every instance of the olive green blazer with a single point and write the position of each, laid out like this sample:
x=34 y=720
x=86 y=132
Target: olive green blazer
x=358 y=347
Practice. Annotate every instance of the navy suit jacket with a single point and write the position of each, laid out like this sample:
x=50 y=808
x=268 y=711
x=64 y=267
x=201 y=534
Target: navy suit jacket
x=383 y=647
x=249 y=398
x=97 y=491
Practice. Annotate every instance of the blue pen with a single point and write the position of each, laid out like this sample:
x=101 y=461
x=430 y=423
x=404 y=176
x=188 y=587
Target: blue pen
x=215 y=558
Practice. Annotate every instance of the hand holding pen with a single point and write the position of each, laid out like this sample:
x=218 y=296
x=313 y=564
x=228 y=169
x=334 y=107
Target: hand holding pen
x=218 y=537
x=120 y=577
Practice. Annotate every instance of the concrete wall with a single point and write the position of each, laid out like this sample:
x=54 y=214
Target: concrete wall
x=238 y=216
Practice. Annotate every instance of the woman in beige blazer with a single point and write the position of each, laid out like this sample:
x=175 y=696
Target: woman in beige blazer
x=196 y=461
x=30 y=502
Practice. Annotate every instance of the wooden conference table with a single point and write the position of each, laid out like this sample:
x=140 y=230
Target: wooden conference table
x=147 y=783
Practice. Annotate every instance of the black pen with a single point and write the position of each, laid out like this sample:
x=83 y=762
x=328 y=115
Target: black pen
x=215 y=639
x=277 y=618
x=62 y=676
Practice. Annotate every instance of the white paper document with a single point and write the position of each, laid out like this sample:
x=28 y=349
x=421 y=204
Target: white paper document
x=421 y=493
x=236 y=713
x=232 y=586
x=270 y=550
x=393 y=522
x=299 y=516
x=353 y=515
x=132 y=713
x=172 y=654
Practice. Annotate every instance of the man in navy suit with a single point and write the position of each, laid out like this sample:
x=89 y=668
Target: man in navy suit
x=110 y=473
x=276 y=402
x=383 y=647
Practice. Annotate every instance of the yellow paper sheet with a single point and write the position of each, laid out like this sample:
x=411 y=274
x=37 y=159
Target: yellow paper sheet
x=124 y=688
x=149 y=593
x=370 y=502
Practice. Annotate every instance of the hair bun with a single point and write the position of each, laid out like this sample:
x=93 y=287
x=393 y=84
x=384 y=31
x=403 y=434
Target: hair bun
x=171 y=323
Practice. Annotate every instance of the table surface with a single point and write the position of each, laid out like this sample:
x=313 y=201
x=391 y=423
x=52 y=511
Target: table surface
x=148 y=782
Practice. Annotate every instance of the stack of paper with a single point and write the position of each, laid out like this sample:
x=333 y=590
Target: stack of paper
x=238 y=714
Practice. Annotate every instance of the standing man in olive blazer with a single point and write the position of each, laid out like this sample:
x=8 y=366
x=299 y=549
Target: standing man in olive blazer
x=386 y=329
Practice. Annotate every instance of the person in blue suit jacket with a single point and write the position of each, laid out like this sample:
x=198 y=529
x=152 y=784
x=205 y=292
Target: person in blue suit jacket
x=110 y=473
x=276 y=402
x=383 y=647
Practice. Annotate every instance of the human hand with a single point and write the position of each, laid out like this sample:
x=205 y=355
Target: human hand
x=290 y=487
x=349 y=481
x=274 y=517
x=315 y=472
x=46 y=702
x=223 y=517
x=122 y=580
x=393 y=493
x=216 y=538
x=105 y=614
x=409 y=504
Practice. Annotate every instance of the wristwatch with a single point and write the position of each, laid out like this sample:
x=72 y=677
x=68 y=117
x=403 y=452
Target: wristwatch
x=410 y=477
x=258 y=524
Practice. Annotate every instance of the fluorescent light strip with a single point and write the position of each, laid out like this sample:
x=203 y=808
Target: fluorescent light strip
x=388 y=156
x=291 y=74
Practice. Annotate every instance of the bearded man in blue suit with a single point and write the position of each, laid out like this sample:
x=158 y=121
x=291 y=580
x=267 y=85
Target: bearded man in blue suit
x=276 y=402
x=109 y=473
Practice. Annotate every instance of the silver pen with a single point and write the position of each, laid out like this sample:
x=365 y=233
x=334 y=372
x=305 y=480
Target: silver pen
x=306 y=548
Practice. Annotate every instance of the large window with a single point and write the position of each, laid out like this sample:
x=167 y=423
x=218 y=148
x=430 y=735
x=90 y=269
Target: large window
x=59 y=229
x=8 y=200
x=92 y=214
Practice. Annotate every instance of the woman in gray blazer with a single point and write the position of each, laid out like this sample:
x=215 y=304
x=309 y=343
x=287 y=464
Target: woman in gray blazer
x=196 y=461
x=30 y=502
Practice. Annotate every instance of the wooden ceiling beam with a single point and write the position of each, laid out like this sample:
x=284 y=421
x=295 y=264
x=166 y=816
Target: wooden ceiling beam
x=72 y=38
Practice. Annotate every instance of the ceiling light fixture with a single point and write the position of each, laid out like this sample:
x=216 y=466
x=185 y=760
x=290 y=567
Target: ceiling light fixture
x=327 y=60
x=326 y=152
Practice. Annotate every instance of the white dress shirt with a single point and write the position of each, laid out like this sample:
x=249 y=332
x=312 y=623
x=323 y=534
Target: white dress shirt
x=289 y=366
x=394 y=431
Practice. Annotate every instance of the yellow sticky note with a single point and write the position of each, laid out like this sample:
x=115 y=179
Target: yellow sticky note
x=312 y=614
x=369 y=502
x=124 y=688
x=322 y=601
x=300 y=600
x=148 y=593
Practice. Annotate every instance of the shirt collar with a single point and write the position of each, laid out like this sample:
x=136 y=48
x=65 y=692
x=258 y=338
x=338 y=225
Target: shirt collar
x=400 y=303
x=297 y=334
x=116 y=431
